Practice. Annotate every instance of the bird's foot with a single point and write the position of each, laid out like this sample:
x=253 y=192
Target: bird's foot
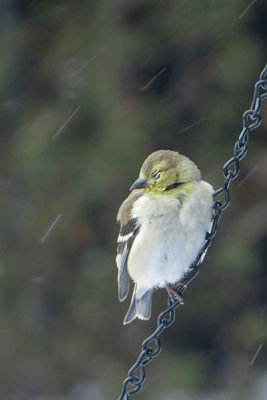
x=173 y=293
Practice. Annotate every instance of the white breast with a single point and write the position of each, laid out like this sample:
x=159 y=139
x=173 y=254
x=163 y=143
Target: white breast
x=170 y=236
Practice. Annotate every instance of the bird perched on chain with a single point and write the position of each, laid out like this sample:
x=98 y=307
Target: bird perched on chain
x=163 y=224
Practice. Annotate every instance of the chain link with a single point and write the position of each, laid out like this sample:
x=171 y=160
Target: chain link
x=151 y=347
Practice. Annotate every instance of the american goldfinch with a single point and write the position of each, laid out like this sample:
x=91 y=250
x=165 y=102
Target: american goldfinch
x=163 y=223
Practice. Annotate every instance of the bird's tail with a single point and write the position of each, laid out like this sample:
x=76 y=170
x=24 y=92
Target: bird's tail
x=140 y=306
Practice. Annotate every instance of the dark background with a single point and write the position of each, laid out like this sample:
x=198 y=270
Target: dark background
x=87 y=90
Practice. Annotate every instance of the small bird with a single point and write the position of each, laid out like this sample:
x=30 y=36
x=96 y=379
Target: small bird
x=163 y=224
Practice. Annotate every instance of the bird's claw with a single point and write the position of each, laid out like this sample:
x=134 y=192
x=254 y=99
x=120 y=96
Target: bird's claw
x=173 y=294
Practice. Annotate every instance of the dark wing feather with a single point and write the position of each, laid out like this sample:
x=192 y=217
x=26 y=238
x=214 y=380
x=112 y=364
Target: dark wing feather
x=128 y=230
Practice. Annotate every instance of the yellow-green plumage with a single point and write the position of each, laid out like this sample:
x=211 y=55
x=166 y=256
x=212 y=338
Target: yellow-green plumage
x=171 y=166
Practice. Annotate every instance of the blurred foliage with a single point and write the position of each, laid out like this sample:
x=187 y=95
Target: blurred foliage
x=88 y=89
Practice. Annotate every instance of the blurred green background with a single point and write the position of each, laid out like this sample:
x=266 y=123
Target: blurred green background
x=88 y=89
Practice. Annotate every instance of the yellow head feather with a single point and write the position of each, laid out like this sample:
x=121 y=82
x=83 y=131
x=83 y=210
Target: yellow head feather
x=164 y=170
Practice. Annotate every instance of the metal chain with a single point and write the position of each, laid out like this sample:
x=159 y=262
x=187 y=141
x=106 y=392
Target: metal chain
x=151 y=347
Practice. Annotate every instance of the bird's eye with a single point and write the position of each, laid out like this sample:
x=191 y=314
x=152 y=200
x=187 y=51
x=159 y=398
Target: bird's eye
x=156 y=175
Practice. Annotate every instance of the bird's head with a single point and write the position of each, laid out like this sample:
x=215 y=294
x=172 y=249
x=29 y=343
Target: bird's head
x=164 y=170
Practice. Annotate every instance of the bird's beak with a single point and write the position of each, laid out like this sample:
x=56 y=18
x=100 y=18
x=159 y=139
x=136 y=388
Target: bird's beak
x=140 y=183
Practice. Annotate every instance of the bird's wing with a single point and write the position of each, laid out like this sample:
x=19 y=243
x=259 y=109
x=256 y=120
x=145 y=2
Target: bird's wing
x=128 y=231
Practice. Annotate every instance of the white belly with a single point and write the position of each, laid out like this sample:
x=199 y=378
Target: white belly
x=170 y=236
